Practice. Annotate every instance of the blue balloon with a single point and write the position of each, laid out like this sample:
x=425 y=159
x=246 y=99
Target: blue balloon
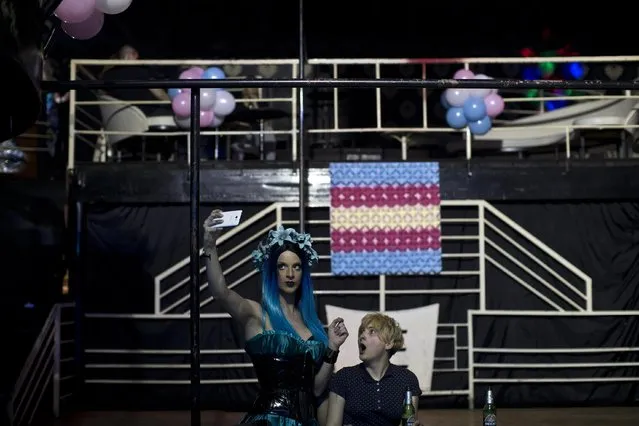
x=480 y=127
x=474 y=108
x=174 y=92
x=444 y=101
x=455 y=118
x=213 y=73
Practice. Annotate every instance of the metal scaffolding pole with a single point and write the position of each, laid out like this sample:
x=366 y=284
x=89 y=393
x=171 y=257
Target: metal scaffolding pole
x=194 y=270
x=300 y=119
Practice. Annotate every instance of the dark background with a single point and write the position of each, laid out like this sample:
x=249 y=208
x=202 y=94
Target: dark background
x=269 y=29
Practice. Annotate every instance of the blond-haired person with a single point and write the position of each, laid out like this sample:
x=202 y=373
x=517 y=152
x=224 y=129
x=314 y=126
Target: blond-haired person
x=372 y=393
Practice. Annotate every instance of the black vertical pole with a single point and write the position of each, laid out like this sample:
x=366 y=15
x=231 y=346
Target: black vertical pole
x=194 y=173
x=76 y=225
x=300 y=103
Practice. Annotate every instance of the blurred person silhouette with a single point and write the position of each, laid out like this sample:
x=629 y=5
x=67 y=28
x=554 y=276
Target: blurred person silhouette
x=137 y=72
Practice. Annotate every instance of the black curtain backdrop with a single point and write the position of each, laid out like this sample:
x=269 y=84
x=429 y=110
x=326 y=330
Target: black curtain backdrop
x=127 y=246
x=603 y=241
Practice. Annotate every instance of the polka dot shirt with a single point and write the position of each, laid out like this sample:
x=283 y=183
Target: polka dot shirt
x=373 y=403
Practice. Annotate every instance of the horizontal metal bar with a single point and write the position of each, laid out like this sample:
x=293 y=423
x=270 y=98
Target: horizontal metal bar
x=204 y=366
x=576 y=314
x=163 y=351
x=51 y=86
x=561 y=380
x=445 y=392
x=427 y=61
x=166 y=382
x=535 y=366
x=536 y=351
x=405 y=292
x=229 y=382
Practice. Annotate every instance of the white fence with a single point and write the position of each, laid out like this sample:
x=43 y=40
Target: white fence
x=541 y=369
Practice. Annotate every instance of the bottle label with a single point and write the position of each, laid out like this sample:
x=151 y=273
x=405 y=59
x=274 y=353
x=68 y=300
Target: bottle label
x=409 y=421
x=490 y=420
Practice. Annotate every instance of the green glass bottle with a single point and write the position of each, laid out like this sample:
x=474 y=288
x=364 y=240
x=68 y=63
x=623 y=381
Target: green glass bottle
x=408 y=413
x=490 y=410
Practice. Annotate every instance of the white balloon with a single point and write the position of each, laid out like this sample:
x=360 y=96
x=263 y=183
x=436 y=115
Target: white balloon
x=481 y=93
x=217 y=122
x=224 y=103
x=207 y=99
x=183 y=123
x=112 y=7
x=456 y=97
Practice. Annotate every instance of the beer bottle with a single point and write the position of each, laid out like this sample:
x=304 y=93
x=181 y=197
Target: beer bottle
x=408 y=413
x=490 y=410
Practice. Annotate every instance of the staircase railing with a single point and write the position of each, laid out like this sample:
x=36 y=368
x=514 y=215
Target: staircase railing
x=43 y=367
x=570 y=287
x=502 y=244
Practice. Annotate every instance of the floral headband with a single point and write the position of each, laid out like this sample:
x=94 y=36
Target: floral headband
x=278 y=237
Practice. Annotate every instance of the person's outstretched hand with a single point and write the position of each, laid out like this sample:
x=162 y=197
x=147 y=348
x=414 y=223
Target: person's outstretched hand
x=337 y=333
x=212 y=234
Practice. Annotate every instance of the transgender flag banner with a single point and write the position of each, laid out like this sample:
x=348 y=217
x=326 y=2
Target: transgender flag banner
x=385 y=219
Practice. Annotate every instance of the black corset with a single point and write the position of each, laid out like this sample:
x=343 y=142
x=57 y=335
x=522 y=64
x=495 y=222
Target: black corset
x=286 y=386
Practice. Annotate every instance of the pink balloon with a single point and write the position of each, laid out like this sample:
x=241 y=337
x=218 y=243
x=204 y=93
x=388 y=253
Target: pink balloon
x=181 y=105
x=206 y=118
x=75 y=11
x=86 y=29
x=191 y=74
x=494 y=105
x=463 y=74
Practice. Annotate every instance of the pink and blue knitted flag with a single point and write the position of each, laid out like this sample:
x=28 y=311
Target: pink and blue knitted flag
x=385 y=219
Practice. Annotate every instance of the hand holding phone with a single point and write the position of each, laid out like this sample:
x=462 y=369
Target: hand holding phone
x=219 y=219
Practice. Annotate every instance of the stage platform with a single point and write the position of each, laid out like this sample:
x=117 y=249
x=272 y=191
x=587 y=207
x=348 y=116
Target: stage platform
x=617 y=416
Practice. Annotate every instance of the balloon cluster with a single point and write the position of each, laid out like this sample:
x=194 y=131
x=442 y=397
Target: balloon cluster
x=83 y=19
x=474 y=108
x=215 y=104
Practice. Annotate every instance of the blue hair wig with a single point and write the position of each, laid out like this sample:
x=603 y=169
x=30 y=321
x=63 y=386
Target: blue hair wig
x=304 y=299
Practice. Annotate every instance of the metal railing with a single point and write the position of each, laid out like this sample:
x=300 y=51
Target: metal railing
x=482 y=220
x=44 y=368
x=573 y=372
x=486 y=224
x=517 y=105
x=84 y=125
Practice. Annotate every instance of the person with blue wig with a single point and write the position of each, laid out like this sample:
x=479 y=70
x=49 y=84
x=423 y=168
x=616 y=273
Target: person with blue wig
x=293 y=356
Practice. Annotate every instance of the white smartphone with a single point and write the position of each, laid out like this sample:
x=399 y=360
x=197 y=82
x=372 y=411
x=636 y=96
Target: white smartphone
x=229 y=219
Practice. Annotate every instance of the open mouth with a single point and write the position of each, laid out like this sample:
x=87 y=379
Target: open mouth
x=362 y=347
x=290 y=283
